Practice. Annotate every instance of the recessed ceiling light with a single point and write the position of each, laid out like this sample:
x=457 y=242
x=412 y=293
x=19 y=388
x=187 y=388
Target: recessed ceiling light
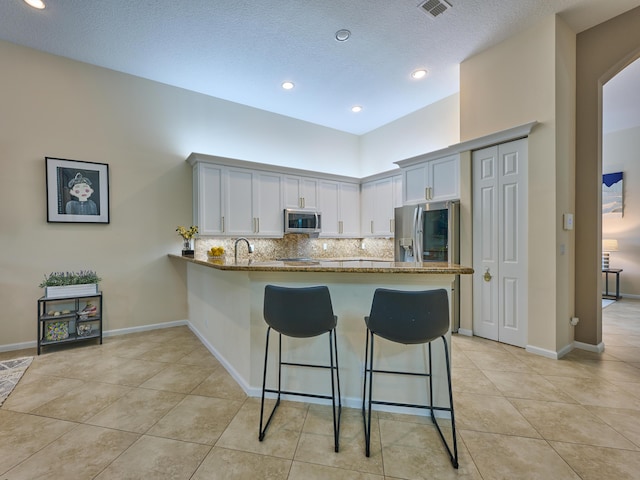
x=356 y=109
x=343 y=35
x=287 y=85
x=418 y=74
x=39 y=4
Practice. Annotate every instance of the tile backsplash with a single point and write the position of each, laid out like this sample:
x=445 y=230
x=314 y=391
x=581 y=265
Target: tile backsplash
x=297 y=246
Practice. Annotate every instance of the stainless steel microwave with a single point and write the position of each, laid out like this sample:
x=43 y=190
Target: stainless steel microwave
x=302 y=221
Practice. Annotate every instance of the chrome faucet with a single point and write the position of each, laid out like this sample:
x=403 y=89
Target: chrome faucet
x=235 y=248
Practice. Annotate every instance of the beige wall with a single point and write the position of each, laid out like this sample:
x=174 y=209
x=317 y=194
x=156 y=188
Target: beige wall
x=529 y=77
x=565 y=77
x=144 y=131
x=426 y=130
x=602 y=52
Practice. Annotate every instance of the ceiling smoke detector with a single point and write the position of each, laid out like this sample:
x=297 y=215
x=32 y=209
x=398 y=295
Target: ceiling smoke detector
x=435 y=7
x=343 y=35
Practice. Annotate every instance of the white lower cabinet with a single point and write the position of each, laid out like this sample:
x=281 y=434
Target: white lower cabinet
x=339 y=203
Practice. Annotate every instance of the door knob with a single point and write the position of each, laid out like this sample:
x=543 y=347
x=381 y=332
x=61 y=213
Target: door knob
x=487 y=276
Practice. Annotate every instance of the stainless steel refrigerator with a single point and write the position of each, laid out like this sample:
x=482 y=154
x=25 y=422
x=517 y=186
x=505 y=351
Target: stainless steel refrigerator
x=430 y=232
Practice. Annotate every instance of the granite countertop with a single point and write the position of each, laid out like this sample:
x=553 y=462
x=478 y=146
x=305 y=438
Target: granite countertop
x=348 y=265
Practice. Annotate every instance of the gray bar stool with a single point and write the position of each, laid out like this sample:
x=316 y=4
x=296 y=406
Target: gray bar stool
x=408 y=317
x=301 y=313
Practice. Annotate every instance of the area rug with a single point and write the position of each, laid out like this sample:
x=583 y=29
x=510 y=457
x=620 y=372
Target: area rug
x=606 y=302
x=10 y=373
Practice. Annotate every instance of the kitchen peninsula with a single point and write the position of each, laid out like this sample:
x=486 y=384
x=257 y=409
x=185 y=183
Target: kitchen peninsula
x=225 y=310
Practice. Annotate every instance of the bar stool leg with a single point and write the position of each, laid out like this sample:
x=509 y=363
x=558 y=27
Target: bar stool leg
x=453 y=455
x=263 y=431
x=333 y=350
x=367 y=396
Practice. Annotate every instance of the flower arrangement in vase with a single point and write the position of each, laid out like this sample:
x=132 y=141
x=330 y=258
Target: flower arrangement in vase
x=187 y=235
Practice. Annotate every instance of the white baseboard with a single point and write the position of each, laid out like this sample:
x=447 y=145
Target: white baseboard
x=144 y=328
x=17 y=346
x=108 y=333
x=566 y=349
x=590 y=348
x=465 y=332
x=356 y=403
x=232 y=371
x=625 y=295
x=542 y=352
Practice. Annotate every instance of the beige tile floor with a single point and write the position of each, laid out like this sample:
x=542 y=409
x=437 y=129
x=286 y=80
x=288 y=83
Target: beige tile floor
x=157 y=405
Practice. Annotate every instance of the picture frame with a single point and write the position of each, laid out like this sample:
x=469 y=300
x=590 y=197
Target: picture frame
x=613 y=194
x=77 y=191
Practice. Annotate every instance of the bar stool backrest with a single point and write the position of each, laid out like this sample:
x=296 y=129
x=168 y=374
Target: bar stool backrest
x=299 y=312
x=409 y=317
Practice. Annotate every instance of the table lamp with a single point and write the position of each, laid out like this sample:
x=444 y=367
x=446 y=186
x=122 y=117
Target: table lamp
x=608 y=245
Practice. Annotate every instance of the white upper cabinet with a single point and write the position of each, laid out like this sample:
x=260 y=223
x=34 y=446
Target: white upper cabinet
x=378 y=199
x=239 y=200
x=328 y=196
x=349 y=209
x=397 y=191
x=208 y=199
x=254 y=203
x=432 y=180
x=268 y=210
x=339 y=203
x=300 y=192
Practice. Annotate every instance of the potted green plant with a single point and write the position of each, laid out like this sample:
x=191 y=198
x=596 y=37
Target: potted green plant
x=70 y=284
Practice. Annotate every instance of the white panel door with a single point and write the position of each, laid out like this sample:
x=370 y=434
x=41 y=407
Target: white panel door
x=500 y=242
x=485 y=243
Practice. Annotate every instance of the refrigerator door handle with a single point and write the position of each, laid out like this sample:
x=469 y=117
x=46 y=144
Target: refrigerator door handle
x=417 y=236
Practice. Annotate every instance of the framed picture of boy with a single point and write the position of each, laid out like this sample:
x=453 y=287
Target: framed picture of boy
x=77 y=191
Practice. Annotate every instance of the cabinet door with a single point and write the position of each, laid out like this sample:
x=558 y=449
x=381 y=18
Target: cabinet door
x=300 y=192
x=292 y=197
x=349 y=204
x=208 y=199
x=444 y=174
x=328 y=200
x=367 y=195
x=397 y=191
x=309 y=192
x=240 y=201
x=415 y=183
x=268 y=211
x=383 y=208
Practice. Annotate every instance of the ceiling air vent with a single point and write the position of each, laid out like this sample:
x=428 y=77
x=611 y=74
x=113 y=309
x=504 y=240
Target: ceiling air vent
x=435 y=7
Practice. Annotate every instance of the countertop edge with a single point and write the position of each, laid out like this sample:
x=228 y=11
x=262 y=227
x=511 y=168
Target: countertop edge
x=331 y=266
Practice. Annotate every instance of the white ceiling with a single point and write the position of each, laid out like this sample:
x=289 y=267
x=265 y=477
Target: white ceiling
x=242 y=50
